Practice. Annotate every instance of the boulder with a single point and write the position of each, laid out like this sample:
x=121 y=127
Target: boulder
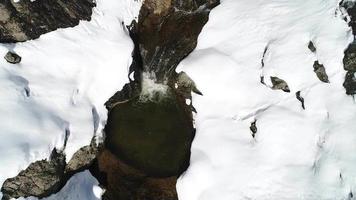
x=320 y=72
x=12 y=58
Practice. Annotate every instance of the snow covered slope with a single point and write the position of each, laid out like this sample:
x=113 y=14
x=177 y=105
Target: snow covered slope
x=61 y=86
x=296 y=154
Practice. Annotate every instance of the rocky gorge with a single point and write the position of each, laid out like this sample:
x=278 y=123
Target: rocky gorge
x=150 y=125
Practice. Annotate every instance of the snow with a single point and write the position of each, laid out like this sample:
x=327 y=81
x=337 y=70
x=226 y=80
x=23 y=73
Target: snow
x=61 y=86
x=296 y=154
x=81 y=186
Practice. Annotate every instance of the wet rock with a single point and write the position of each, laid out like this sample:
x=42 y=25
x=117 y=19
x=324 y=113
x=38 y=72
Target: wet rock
x=12 y=58
x=311 y=47
x=40 y=179
x=350 y=83
x=279 y=84
x=320 y=72
x=161 y=46
x=26 y=19
x=122 y=181
x=153 y=136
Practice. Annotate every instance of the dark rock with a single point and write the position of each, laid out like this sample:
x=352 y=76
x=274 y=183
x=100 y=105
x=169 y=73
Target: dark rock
x=46 y=177
x=25 y=20
x=253 y=128
x=350 y=83
x=263 y=56
x=40 y=179
x=300 y=98
x=12 y=58
x=320 y=72
x=311 y=47
x=279 y=84
x=167 y=32
x=350 y=58
x=350 y=7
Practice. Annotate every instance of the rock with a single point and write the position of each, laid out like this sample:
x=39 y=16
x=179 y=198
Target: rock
x=350 y=7
x=279 y=84
x=46 y=177
x=300 y=98
x=185 y=85
x=161 y=46
x=40 y=179
x=82 y=159
x=320 y=72
x=26 y=19
x=350 y=83
x=122 y=181
x=12 y=58
x=311 y=47
x=350 y=58
x=253 y=128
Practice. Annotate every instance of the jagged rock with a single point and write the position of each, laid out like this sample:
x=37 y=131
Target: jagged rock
x=26 y=19
x=82 y=159
x=185 y=85
x=161 y=46
x=350 y=7
x=123 y=182
x=46 y=177
x=40 y=179
x=350 y=58
x=12 y=58
x=320 y=72
x=350 y=83
x=311 y=47
x=279 y=84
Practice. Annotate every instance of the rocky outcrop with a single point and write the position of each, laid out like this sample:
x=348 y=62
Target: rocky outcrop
x=320 y=72
x=46 y=177
x=279 y=84
x=26 y=19
x=349 y=60
x=40 y=179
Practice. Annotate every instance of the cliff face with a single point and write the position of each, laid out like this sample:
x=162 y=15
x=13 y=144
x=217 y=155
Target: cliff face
x=25 y=20
x=167 y=31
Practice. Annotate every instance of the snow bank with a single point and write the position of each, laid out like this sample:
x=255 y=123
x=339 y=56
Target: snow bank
x=297 y=154
x=61 y=86
x=81 y=186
